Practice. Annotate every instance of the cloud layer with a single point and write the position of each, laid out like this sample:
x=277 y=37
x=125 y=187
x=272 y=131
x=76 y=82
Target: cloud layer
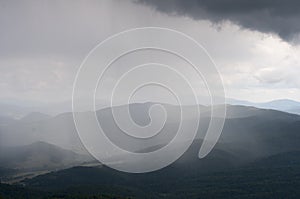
x=43 y=43
x=268 y=16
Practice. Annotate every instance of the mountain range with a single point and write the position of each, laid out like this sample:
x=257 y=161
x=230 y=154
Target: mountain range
x=285 y=105
x=18 y=109
x=258 y=152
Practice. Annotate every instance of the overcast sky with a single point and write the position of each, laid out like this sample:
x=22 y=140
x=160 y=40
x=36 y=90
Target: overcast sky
x=255 y=45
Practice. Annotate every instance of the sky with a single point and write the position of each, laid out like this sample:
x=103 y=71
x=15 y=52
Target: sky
x=254 y=44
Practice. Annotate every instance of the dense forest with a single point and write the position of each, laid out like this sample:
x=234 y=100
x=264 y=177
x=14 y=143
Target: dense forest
x=277 y=176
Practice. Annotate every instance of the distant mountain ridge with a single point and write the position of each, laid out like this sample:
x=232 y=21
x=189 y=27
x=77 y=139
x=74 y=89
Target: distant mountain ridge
x=249 y=133
x=285 y=105
x=243 y=124
x=35 y=117
x=18 y=109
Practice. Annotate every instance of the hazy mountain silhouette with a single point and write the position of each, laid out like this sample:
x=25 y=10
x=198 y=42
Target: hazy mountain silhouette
x=285 y=105
x=257 y=155
x=39 y=156
x=35 y=117
x=248 y=130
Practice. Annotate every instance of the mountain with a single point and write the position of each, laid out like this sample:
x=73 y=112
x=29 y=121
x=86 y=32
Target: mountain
x=247 y=130
x=17 y=109
x=13 y=111
x=59 y=130
x=108 y=181
x=286 y=105
x=270 y=177
x=257 y=156
x=39 y=156
x=35 y=117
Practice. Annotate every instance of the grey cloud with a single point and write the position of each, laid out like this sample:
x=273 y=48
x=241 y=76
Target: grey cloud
x=268 y=16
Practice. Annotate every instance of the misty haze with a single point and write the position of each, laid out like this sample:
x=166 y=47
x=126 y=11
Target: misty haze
x=149 y=99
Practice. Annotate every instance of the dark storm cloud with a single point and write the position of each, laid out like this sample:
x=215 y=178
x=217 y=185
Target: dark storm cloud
x=269 y=16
